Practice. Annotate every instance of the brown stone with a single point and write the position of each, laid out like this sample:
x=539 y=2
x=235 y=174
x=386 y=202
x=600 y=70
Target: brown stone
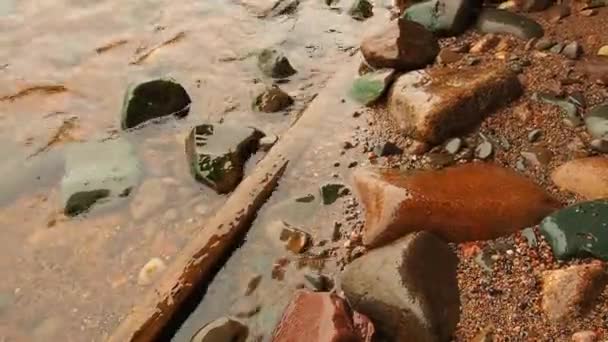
x=401 y=45
x=596 y=68
x=447 y=56
x=476 y=201
x=320 y=317
x=572 y=291
x=435 y=105
x=584 y=336
x=587 y=177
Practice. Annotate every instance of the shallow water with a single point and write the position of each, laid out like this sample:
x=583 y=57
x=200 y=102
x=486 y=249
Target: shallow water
x=64 y=66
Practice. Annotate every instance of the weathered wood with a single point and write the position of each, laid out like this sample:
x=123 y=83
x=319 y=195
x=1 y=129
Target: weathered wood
x=195 y=264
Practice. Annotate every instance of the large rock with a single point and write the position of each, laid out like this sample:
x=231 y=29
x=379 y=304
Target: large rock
x=401 y=45
x=408 y=289
x=97 y=172
x=587 y=177
x=321 y=317
x=493 y=20
x=224 y=329
x=152 y=100
x=572 y=291
x=444 y=17
x=432 y=106
x=217 y=154
x=477 y=201
x=580 y=230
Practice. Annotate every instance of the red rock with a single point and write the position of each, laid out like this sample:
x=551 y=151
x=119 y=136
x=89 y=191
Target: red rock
x=321 y=317
x=587 y=177
x=477 y=201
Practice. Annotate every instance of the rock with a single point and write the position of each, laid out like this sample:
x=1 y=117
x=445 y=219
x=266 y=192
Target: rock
x=486 y=43
x=403 y=46
x=152 y=100
x=492 y=20
x=599 y=145
x=296 y=240
x=443 y=17
x=534 y=135
x=320 y=317
x=408 y=289
x=587 y=177
x=361 y=10
x=585 y=336
x=596 y=121
x=578 y=231
x=572 y=50
x=151 y=271
x=272 y=100
x=596 y=68
x=559 y=12
x=572 y=291
x=434 y=105
x=530 y=237
x=267 y=142
x=217 y=154
x=331 y=192
x=271 y=8
x=453 y=145
x=448 y=56
x=544 y=44
x=537 y=156
x=370 y=87
x=222 y=330
x=484 y=150
x=469 y=202
x=317 y=282
x=485 y=335
x=557 y=48
x=274 y=63
x=568 y=109
x=150 y=196
x=589 y=12
x=387 y=149
x=603 y=51
x=97 y=172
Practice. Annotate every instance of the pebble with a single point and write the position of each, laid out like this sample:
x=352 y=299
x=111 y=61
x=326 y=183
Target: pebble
x=572 y=50
x=544 y=44
x=151 y=270
x=484 y=150
x=589 y=12
x=453 y=145
x=603 y=51
x=534 y=135
x=557 y=48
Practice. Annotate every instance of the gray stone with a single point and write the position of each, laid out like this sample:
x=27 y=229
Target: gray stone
x=534 y=135
x=443 y=17
x=222 y=330
x=597 y=121
x=493 y=20
x=544 y=44
x=572 y=50
x=484 y=150
x=557 y=48
x=453 y=145
x=273 y=63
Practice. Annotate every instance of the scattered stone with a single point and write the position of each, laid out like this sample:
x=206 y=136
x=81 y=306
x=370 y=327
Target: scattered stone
x=447 y=56
x=387 y=149
x=572 y=291
x=568 y=109
x=603 y=51
x=572 y=50
x=222 y=330
x=578 y=98
x=151 y=271
x=296 y=240
x=492 y=20
x=469 y=202
x=97 y=172
x=596 y=121
x=557 y=48
x=152 y=100
x=370 y=87
x=361 y=10
x=403 y=46
x=320 y=317
x=537 y=156
x=273 y=63
x=443 y=17
x=486 y=43
x=352 y=164
x=454 y=100
x=585 y=336
x=408 y=289
x=453 y=145
x=331 y=192
x=586 y=177
x=534 y=135
x=578 y=231
x=544 y=44
x=267 y=142
x=484 y=150
x=272 y=100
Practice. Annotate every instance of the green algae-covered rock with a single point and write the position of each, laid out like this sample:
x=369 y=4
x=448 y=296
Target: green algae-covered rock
x=444 y=17
x=580 y=230
x=597 y=121
x=97 y=172
x=152 y=100
x=361 y=10
x=217 y=154
x=493 y=20
x=371 y=86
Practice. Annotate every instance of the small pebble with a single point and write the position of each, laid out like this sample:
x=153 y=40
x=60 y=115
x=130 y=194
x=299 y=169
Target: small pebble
x=534 y=135
x=453 y=145
x=484 y=150
x=151 y=270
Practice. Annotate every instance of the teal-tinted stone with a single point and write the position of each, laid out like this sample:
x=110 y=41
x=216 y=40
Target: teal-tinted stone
x=370 y=87
x=444 y=17
x=597 y=121
x=152 y=100
x=580 y=230
x=331 y=192
x=493 y=20
x=217 y=154
x=361 y=10
x=97 y=171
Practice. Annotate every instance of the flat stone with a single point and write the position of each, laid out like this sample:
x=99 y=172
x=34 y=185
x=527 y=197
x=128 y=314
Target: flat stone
x=443 y=17
x=272 y=99
x=408 y=289
x=448 y=56
x=217 y=154
x=368 y=88
x=151 y=271
x=402 y=45
x=98 y=173
x=432 y=106
x=580 y=230
x=596 y=121
x=469 y=202
x=572 y=291
x=273 y=63
x=492 y=20
x=296 y=240
x=361 y=10
x=224 y=329
x=587 y=177
x=152 y=100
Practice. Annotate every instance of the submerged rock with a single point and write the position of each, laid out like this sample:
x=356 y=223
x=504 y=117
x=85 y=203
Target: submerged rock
x=224 y=329
x=321 y=317
x=443 y=17
x=371 y=86
x=477 y=201
x=152 y=100
x=436 y=105
x=361 y=10
x=492 y=20
x=272 y=100
x=408 y=289
x=97 y=171
x=597 y=121
x=402 y=45
x=587 y=177
x=217 y=154
x=580 y=230
x=274 y=63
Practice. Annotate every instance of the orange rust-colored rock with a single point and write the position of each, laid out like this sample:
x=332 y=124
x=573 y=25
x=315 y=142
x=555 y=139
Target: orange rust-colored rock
x=476 y=201
x=587 y=177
